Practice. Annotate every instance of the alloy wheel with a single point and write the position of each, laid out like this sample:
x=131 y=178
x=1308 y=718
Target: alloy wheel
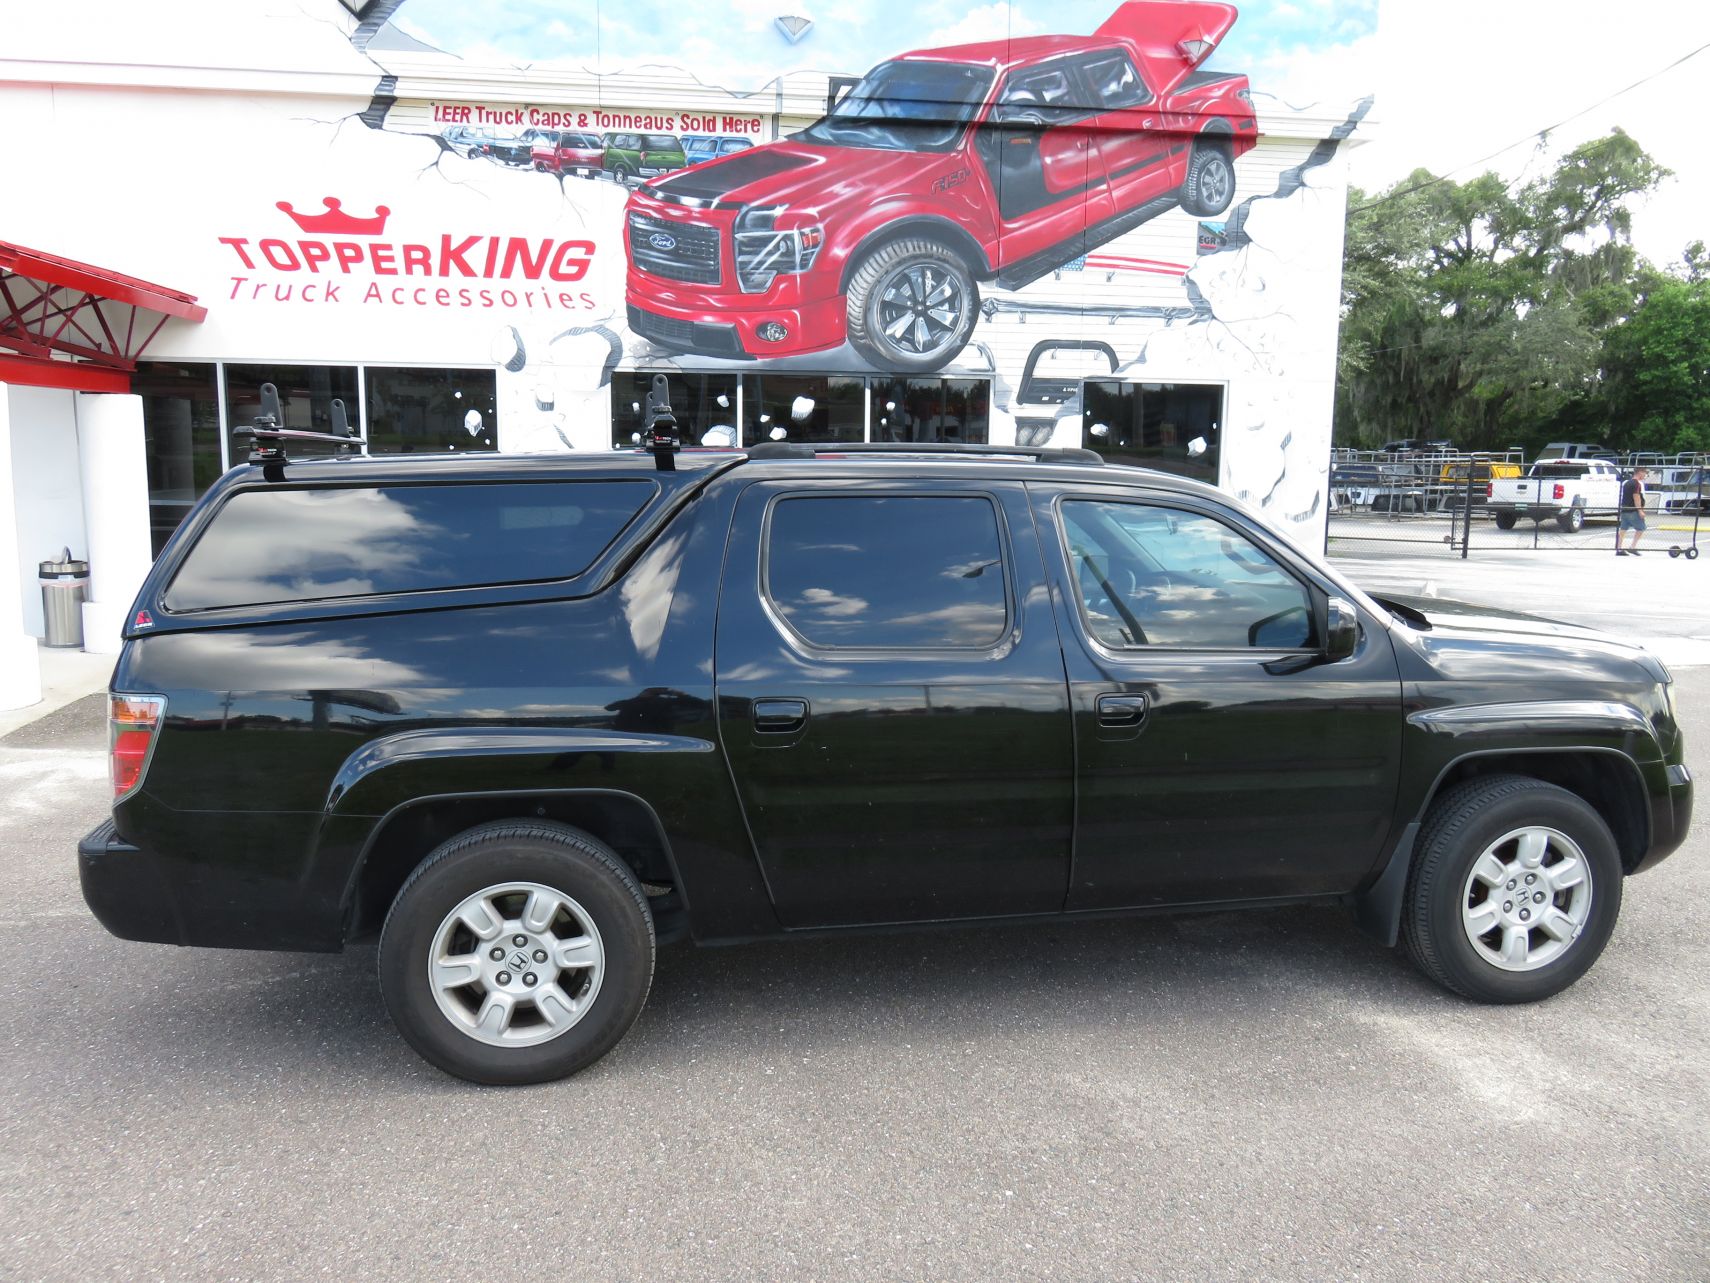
x=1527 y=898
x=516 y=964
x=921 y=309
x=1214 y=183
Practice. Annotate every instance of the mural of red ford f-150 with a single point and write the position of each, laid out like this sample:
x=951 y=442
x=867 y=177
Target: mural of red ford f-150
x=941 y=169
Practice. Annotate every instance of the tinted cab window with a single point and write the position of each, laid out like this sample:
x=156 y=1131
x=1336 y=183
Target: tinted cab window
x=892 y=572
x=1153 y=576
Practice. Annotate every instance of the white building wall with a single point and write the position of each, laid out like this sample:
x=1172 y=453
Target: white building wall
x=115 y=507
x=20 y=663
x=49 y=494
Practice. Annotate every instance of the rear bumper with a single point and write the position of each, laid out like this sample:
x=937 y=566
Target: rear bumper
x=125 y=890
x=256 y=895
x=1529 y=509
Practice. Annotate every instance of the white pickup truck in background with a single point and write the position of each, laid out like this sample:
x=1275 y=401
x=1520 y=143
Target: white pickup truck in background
x=1564 y=490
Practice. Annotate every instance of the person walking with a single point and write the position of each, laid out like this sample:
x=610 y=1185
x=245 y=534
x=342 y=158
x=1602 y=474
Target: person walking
x=1632 y=512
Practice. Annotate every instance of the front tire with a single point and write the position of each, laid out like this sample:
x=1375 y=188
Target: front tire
x=1210 y=182
x=518 y=952
x=911 y=306
x=1514 y=890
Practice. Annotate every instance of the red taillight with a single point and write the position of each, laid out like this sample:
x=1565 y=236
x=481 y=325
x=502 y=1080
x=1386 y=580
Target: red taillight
x=132 y=722
x=1490 y=489
x=1559 y=491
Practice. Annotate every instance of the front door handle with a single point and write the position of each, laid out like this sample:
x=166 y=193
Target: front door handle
x=780 y=716
x=1122 y=710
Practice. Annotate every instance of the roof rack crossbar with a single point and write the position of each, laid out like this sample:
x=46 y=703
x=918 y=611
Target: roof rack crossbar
x=809 y=450
x=292 y=434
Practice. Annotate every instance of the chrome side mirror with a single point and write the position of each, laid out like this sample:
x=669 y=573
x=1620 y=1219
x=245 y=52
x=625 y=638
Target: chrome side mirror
x=1342 y=630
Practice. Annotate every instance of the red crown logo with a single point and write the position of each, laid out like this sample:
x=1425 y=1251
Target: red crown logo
x=335 y=222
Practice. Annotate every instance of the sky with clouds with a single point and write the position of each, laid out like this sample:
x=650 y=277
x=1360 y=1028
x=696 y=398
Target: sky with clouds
x=740 y=37
x=1454 y=80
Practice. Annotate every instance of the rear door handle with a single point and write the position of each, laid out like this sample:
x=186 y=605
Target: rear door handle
x=1122 y=710
x=780 y=715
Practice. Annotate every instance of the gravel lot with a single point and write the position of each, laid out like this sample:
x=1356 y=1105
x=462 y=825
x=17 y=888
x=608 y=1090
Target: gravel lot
x=1261 y=1095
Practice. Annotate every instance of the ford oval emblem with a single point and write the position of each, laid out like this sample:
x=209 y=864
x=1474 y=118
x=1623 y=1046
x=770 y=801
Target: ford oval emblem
x=659 y=240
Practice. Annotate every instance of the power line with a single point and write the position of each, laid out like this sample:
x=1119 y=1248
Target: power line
x=1536 y=133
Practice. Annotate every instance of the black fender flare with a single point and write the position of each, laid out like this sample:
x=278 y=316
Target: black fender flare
x=531 y=795
x=1378 y=906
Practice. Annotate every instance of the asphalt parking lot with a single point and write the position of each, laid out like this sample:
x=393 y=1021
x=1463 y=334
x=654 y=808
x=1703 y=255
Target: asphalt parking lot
x=1662 y=601
x=1263 y=1095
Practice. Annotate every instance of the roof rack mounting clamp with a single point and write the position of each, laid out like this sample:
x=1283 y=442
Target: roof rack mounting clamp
x=267 y=437
x=659 y=436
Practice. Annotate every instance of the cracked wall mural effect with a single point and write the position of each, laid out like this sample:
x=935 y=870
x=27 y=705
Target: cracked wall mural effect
x=1104 y=195
x=1097 y=199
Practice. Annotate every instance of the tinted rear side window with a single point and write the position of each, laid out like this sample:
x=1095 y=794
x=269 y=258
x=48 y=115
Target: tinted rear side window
x=280 y=545
x=898 y=572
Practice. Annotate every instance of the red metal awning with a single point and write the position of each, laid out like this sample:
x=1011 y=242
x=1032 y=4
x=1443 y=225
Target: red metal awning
x=57 y=307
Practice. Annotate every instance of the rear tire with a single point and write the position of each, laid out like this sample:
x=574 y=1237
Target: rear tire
x=1506 y=520
x=504 y=934
x=1571 y=521
x=1209 y=185
x=1531 y=864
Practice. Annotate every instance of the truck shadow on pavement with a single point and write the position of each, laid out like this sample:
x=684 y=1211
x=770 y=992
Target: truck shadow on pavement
x=315 y=1015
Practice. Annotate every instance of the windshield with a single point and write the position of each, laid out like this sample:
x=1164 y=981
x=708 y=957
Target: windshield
x=905 y=106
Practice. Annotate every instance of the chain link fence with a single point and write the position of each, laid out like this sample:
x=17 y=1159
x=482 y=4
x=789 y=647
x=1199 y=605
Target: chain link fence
x=1457 y=503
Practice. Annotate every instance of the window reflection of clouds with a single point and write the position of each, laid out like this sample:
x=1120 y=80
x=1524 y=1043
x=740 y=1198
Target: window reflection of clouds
x=825 y=604
x=285 y=661
x=259 y=552
x=967 y=624
x=647 y=594
x=279 y=545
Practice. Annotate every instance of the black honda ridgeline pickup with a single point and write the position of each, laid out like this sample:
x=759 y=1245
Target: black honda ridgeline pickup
x=524 y=717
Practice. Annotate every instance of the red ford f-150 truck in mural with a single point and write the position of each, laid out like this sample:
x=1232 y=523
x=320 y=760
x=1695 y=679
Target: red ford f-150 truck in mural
x=941 y=169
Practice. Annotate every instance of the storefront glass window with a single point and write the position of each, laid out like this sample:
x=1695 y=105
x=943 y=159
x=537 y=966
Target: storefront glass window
x=802 y=407
x=967 y=410
x=808 y=407
x=306 y=394
x=420 y=411
x=1174 y=427
x=702 y=403
x=181 y=439
x=931 y=410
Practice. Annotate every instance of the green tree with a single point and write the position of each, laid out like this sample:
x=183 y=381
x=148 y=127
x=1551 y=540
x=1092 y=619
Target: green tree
x=1475 y=310
x=1656 y=367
